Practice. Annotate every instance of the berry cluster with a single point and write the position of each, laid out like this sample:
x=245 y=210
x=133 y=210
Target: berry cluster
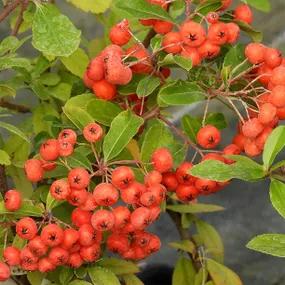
x=269 y=106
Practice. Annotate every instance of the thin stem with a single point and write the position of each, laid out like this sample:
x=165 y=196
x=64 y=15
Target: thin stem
x=20 y=19
x=8 y=9
x=3 y=180
x=236 y=110
x=95 y=154
x=14 y=107
x=206 y=110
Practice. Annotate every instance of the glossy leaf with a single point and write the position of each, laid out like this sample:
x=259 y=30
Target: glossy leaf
x=102 y=276
x=131 y=279
x=27 y=209
x=185 y=245
x=4 y=158
x=123 y=128
x=184 y=272
x=195 y=208
x=191 y=126
x=254 y=34
x=147 y=86
x=94 y=6
x=119 y=266
x=14 y=130
x=216 y=119
x=277 y=196
x=176 y=60
x=262 y=5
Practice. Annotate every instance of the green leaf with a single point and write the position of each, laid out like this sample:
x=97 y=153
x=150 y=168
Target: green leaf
x=11 y=44
x=103 y=111
x=277 y=196
x=195 y=208
x=80 y=282
x=272 y=244
x=147 y=86
x=180 y=93
x=51 y=202
x=78 y=159
x=94 y=6
x=77 y=62
x=185 y=245
x=49 y=79
x=131 y=87
x=35 y=278
x=27 y=209
x=191 y=126
x=201 y=277
x=131 y=279
x=123 y=128
x=53 y=33
x=221 y=275
x=14 y=130
x=254 y=34
x=211 y=240
x=143 y=10
x=209 y=6
x=178 y=60
x=151 y=141
x=119 y=266
x=62 y=91
x=274 y=144
x=66 y=275
x=262 y=5
x=102 y=276
x=184 y=272
x=245 y=169
x=6 y=90
x=216 y=119
x=10 y=62
x=4 y=158
x=80 y=272
x=18 y=242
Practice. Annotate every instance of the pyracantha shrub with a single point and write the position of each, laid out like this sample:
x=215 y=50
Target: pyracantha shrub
x=104 y=159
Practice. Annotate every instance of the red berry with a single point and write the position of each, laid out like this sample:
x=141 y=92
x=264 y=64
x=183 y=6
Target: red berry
x=77 y=197
x=80 y=217
x=193 y=34
x=147 y=22
x=45 y=265
x=87 y=81
x=213 y=156
x=90 y=203
x=267 y=113
x=12 y=200
x=265 y=74
x=141 y=218
x=212 y=17
x=78 y=178
x=52 y=235
x=252 y=128
x=172 y=42
x=218 y=33
x=239 y=140
x=255 y=53
x=187 y=193
x=93 y=132
x=208 y=137
x=243 y=13
x=153 y=178
x=131 y=194
x=232 y=149
x=193 y=54
x=58 y=256
x=48 y=165
x=65 y=148
x=49 y=150
x=104 y=90
x=27 y=257
x=278 y=76
x=95 y=71
x=4 y=271
x=103 y=220
x=205 y=186
x=183 y=174
x=162 y=27
x=233 y=32
x=70 y=238
x=118 y=243
x=119 y=34
x=153 y=245
x=90 y=253
x=88 y=235
x=122 y=177
x=208 y=50
x=34 y=170
x=226 y=4
x=162 y=160
x=26 y=228
x=251 y=149
x=261 y=139
x=105 y=194
x=75 y=260
x=273 y=57
x=37 y=246
x=169 y=180
x=68 y=135
x=122 y=216
x=60 y=189
x=277 y=97
x=11 y=256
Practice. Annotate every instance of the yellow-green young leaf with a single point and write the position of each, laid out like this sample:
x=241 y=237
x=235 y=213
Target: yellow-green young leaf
x=184 y=272
x=147 y=86
x=4 y=158
x=27 y=209
x=180 y=93
x=211 y=240
x=80 y=282
x=274 y=144
x=80 y=272
x=14 y=130
x=51 y=202
x=35 y=278
x=277 y=196
x=119 y=266
x=191 y=126
x=102 y=276
x=143 y=10
x=176 y=60
x=103 y=111
x=6 y=90
x=222 y=275
x=65 y=275
x=19 y=242
x=132 y=279
x=11 y=62
x=209 y=6
x=53 y=33
x=185 y=245
x=77 y=62
x=195 y=208
x=262 y=5
x=123 y=128
x=94 y=6
x=273 y=244
x=201 y=276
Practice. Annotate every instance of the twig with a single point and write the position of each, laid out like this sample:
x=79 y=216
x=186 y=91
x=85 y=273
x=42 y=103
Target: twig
x=148 y=38
x=14 y=107
x=20 y=19
x=8 y=9
x=3 y=180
